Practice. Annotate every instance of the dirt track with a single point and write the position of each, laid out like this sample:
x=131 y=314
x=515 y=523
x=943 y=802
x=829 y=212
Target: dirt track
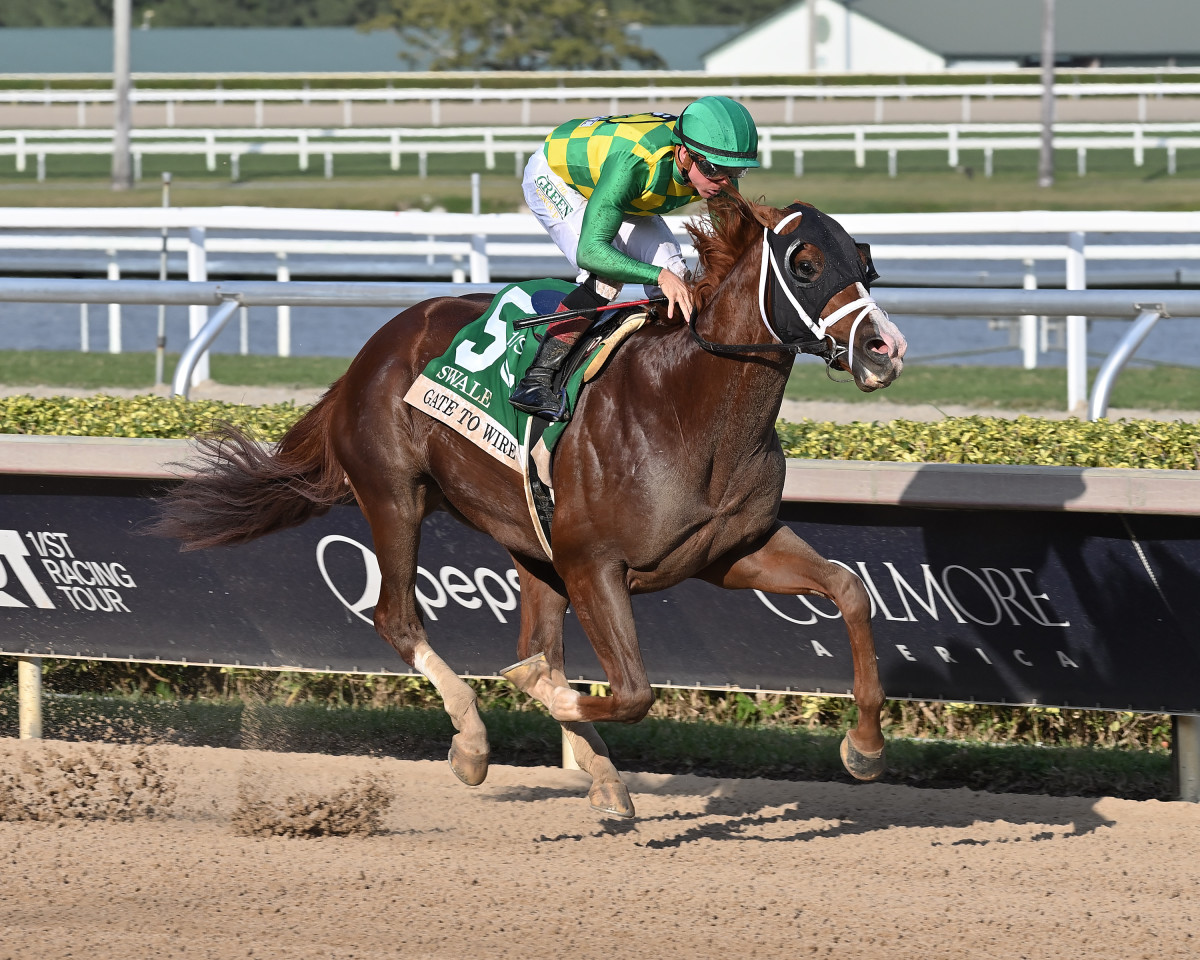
x=156 y=851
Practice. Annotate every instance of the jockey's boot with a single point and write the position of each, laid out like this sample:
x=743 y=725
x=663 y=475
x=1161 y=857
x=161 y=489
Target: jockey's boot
x=535 y=394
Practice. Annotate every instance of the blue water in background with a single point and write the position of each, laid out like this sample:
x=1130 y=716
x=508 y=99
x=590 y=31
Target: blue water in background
x=341 y=332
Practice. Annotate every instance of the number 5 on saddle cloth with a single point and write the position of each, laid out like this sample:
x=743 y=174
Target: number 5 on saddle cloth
x=467 y=387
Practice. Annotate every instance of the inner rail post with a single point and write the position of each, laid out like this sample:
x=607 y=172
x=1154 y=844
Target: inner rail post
x=1115 y=361
x=1185 y=755
x=29 y=697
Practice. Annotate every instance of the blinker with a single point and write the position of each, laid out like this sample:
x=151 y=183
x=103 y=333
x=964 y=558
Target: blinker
x=797 y=303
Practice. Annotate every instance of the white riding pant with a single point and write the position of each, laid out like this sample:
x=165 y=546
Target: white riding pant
x=559 y=209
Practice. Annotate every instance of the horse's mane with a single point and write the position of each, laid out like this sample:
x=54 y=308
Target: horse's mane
x=733 y=223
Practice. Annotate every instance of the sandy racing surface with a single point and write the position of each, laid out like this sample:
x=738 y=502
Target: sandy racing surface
x=121 y=852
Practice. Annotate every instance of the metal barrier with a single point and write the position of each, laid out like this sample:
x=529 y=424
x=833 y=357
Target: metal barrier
x=1147 y=307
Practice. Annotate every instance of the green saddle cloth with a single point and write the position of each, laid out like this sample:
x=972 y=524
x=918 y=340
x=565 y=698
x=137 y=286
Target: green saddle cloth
x=467 y=387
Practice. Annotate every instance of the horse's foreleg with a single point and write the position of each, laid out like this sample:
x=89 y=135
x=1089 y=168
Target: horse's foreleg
x=785 y=564
x=395 y=528
x=540 y=674
x=601 y=600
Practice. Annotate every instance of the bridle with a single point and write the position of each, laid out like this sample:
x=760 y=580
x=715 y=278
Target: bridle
x=790 y=294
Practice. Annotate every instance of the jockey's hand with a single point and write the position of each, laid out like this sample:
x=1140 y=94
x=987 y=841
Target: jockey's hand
x=678 y=294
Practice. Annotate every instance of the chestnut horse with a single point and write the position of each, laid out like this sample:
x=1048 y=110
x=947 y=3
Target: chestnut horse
x=670 y=469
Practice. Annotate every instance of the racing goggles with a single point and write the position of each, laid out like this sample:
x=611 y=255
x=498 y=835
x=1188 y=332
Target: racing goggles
x=712 y=172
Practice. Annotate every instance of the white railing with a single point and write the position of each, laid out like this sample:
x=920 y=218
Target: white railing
x=648 y=93
x=1145 y=307
x=473 y=238
x=634 y=97
x=487 y=142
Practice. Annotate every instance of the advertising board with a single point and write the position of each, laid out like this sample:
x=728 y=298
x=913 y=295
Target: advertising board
x=1066 y=609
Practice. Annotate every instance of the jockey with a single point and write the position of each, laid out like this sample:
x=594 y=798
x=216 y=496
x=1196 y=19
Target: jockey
x=600 y=186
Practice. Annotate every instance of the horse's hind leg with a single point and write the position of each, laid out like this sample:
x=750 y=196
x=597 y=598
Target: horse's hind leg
x=540 y=674
x=396 y=529
x=785 y=564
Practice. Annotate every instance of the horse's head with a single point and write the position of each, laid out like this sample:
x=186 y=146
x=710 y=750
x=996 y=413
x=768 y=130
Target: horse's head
x=814 y=292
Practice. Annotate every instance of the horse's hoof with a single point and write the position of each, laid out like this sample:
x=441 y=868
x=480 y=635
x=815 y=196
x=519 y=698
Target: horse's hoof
x=861 y=766
x=470 y=768
x=524 y=674
x=611 y=798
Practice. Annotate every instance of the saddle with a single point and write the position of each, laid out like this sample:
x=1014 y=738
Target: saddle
x=467 y=387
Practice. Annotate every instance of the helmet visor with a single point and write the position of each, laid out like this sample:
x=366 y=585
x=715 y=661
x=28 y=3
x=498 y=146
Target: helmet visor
x=715 y=173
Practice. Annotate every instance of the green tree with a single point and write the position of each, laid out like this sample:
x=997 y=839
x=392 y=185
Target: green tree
x=513 y=34
x=56 y=13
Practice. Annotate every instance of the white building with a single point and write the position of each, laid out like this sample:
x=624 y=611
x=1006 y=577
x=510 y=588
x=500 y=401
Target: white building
x=922 y=36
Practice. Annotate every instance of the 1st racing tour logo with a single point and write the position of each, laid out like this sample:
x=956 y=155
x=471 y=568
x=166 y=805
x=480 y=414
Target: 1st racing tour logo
x=45 y=568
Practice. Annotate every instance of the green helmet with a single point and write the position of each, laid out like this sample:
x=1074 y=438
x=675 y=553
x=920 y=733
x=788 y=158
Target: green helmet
x=720 y=130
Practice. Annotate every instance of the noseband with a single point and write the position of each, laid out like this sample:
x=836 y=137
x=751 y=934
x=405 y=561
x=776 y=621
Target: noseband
x=796 y=304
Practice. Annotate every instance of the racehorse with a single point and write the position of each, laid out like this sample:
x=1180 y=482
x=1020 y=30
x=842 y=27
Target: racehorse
x=670 y=469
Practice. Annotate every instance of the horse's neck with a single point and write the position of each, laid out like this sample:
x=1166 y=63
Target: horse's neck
x=749 y=385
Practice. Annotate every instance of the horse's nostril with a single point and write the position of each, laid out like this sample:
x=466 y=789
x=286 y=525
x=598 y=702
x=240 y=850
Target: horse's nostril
x=878 y=346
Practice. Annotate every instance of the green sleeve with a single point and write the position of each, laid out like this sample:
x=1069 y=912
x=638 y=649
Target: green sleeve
x=621 y=181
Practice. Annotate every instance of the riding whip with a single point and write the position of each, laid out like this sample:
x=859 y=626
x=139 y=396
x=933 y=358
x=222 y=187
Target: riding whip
x=582 y=312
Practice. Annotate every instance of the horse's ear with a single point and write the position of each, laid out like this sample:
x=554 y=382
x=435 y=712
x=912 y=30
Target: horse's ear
x=864 y=256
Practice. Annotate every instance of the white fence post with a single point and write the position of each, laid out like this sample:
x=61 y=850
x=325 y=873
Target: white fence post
x=1029 y=324
x=480 y=272
x=1077 y=329
x=114 y=309
x=197 y=263
x=85 y=340
x=283 y=313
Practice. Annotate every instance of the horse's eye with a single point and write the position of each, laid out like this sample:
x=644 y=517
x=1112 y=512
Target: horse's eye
x=806 y=263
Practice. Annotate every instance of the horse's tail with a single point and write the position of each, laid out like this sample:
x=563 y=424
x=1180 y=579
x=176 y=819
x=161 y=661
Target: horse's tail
x=243 y=490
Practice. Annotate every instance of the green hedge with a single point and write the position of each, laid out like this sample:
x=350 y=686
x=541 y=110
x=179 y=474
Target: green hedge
x=1025 y=440
x=144 y=416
